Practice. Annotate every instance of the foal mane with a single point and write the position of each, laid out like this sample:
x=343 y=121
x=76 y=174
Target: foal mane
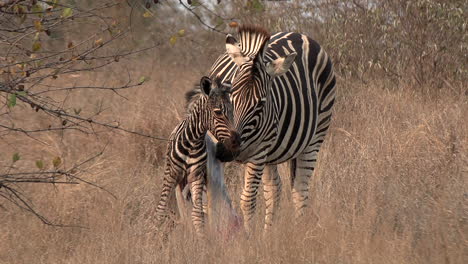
x=192 y=97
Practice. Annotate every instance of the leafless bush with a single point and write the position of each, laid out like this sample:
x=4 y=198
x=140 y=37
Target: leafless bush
x=43 y=42
x=419 y=43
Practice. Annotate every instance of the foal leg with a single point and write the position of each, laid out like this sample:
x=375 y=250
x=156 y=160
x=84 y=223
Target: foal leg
x=169 y=183
x=196 y=188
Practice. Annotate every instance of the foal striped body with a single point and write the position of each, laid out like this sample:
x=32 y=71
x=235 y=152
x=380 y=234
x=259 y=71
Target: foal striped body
x=283 y=94
x=209 y=109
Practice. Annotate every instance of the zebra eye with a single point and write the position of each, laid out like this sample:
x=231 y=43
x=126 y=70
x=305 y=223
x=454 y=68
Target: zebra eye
x=218 y=111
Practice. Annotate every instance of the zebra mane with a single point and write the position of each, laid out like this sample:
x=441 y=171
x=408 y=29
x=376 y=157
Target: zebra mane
x=192 y=97
x=252 y=38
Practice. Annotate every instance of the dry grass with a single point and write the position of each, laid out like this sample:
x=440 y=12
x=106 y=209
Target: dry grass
x=390 y=187
x=391 y=183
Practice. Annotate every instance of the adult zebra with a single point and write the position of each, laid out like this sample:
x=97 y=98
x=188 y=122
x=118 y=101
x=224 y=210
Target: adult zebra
x=283 y=94
x=209 y=109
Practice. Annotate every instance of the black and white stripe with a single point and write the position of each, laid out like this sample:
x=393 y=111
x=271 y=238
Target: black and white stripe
x=209 y=109
x=283 y=94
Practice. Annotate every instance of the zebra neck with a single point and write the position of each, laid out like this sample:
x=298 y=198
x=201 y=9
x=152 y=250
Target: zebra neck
x=196 y=126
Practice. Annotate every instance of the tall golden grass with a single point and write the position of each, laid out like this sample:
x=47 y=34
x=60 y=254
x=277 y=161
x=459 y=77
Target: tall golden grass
x=390 y=186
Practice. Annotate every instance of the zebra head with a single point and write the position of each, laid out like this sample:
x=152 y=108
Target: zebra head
x=252 y=82
x=220 y=117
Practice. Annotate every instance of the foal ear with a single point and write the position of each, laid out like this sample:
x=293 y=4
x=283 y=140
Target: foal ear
x=234 y=51
x=205 y=85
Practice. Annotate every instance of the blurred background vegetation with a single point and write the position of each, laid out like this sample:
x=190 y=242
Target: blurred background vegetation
x=390 y=186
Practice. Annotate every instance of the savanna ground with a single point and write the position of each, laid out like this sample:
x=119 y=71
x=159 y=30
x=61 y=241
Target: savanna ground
x=390 y=186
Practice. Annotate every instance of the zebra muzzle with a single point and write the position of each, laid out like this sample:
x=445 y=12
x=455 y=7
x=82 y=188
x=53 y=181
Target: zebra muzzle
x=225 y=154
x=228 y=149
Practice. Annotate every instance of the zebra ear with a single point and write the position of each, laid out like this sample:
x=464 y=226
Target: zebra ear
x=280 y=65
x=234 y=51
x=205 y=85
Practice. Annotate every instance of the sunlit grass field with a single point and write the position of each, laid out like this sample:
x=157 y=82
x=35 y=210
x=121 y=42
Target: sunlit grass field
x=390 y=186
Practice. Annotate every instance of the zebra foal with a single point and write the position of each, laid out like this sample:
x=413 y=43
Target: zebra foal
x=209 y=109
x=283 y=90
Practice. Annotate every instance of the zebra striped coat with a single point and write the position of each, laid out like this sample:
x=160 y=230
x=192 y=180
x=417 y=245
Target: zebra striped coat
x=283 y=94
x=209 y=109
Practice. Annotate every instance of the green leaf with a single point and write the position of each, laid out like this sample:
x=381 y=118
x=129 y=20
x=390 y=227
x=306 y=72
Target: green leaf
x=56 y=162
x=11 y=100
x=36 y=46
x=21 y=93
x=17 y=9
x=181 y=33
x=37 y=9
x=39 y=164
x=147 y=14
x=54 y=3
x=98 y=42
x=142 y=80
x=67 y=12
x=38 y=25
x=219 y=22
x=257 y=5
x=194 y=3
x=16 y=157
x=173 y=40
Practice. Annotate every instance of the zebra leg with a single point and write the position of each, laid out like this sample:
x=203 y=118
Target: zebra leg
x=302 y=169
x=169 y=183
x=303 y=166
x=272 y=192
x=252 y=177
x=196 y=188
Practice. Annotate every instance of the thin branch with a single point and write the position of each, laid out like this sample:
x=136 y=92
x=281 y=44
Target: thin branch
x=28 y=85
x=26 y=206
x=201 y=20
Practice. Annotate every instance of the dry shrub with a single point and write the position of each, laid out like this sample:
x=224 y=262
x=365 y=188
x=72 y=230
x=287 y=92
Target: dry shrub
x=418 y=43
